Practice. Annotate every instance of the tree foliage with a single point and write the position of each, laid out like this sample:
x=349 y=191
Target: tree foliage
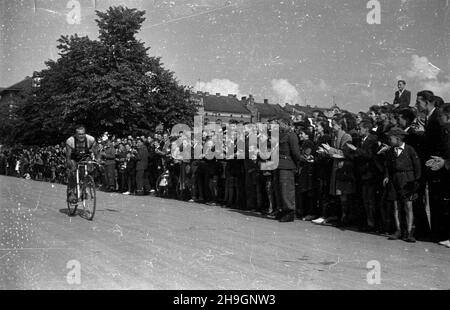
x=110 y=84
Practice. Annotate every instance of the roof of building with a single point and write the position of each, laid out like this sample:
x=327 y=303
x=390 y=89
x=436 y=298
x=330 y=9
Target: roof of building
x=25 y=83
x=267 y=110
x=223 y=104
x=308 y=110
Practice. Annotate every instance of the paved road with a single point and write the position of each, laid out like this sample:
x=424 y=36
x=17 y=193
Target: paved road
x=151 y=243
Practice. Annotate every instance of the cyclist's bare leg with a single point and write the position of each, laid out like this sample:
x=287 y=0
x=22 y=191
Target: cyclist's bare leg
x=72 y=181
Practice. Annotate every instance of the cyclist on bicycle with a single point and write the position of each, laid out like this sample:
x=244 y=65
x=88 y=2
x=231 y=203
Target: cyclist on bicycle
x=78 y=146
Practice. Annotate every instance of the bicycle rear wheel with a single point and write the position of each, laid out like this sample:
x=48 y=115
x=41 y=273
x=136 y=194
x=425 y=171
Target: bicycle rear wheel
x=88 y=202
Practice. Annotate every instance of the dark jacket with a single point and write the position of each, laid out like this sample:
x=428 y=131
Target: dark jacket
x=446 y=140
x=289 y=151
x=404 y=100
x=323 y=163
x=365 y=156
x=404 y=173
x=142 y=158
x=130 y=164
x=109 y=155
x=433 y=136
x=416 y=140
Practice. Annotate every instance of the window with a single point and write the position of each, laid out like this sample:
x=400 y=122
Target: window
x=36 y=82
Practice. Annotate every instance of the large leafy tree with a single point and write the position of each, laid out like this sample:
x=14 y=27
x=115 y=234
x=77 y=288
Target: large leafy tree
x=110 y=84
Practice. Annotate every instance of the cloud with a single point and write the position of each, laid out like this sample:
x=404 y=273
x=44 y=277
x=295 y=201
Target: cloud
x=422 y=68
x=441 y=89
x=428 y=76
x=223 y=86
x=285 y=91
x=320 y=86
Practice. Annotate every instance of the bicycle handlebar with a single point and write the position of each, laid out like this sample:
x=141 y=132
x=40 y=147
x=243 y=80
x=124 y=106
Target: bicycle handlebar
x=90 y=162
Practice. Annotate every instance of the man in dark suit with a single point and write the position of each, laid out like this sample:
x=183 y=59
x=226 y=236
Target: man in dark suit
x=433 y=146
x=284 y=178
x=442 y=164
x=402 y=96
x=141 y=166
x=365 y=155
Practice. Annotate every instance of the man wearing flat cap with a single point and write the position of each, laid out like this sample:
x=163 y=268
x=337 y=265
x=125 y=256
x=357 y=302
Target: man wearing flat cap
x=402 y=174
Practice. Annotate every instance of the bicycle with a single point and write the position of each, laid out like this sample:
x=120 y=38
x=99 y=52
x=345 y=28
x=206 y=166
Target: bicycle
x=85 y=189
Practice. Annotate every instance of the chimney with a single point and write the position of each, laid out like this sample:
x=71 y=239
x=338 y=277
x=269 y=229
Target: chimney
x=251 y=100
x=266 y=101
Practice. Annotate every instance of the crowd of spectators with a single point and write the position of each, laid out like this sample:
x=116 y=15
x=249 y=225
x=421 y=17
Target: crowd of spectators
x=380 y=171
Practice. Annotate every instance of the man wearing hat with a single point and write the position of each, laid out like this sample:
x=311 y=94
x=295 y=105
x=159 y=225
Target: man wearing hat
x=402 y=174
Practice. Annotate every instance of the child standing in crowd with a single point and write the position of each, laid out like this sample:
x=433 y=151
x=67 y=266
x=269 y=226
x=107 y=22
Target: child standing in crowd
x=402 y=175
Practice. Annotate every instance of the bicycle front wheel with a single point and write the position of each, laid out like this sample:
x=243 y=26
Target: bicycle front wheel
x=71 y=206
x=88 y=202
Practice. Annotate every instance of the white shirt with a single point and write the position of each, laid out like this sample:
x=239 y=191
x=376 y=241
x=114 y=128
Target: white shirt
x=399 y=150
x=431 y=113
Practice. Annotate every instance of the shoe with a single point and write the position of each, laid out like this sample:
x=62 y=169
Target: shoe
x=410 y=239
x=126 y=193
x=397 y=235
x=445 y=243
x=319 y=221
x=309 y=218
x=288 y=217
x=72 y=198
x=278 y=214
x=331 y=219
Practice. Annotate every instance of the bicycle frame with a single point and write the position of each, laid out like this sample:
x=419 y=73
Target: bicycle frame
x=84 y=165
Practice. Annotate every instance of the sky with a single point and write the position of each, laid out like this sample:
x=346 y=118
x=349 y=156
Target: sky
x=313 y=52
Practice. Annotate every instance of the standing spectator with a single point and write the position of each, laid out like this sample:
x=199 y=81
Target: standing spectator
x=442 y=164
x=402 y=96
x=416 y=140
x=130 y=169
x=364 y=156
x=305 y=206
x=429 y=104
x=402 y=175
x=109 y=156
x=121 y=157
x=284 y=179
x=323 y=166
x=342 y=183
x=141 y=166
x=3 y=163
